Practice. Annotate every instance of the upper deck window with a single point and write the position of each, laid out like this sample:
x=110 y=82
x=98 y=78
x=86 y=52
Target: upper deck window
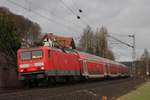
x=25 y=55
x=37 y=54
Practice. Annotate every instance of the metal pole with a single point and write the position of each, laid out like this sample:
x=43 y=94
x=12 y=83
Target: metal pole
x=147 y=66
x=134 y=67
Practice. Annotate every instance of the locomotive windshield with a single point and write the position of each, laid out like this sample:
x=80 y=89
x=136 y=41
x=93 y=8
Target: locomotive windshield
x=25 y=55
x=37 y=54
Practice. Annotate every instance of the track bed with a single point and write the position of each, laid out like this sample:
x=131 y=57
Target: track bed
x=78 y=91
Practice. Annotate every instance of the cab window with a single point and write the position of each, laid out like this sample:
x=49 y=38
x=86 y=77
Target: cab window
x=37 y=54
x=25 y=55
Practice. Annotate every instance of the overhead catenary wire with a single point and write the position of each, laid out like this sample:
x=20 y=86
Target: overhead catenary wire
x=120 y=41
x=53 y=14
x=85 y=19
x=78 y=17
x=43 y=16
x=68 y=7
x=120 y=35
x=76 y=7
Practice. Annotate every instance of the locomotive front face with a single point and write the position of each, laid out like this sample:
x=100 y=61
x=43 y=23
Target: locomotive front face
x=31 y=61
x=31 y=64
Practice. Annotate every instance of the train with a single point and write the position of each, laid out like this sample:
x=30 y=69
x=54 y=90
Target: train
x=50 y=64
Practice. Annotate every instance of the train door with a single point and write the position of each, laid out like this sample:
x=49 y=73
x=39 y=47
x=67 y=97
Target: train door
x=106 y=70
x=84 y=68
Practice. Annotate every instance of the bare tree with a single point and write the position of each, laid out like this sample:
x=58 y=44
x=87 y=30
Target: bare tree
x=86 y=40
x=95 y=43
x=143 y=65
x=101 y=45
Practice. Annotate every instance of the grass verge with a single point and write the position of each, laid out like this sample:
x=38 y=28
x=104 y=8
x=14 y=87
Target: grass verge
x=141 y=93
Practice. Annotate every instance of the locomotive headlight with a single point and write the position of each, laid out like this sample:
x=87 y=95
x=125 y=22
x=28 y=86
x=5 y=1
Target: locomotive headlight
x=42 y=68
x=21 y=70
x=39 y=64
x=24 y=65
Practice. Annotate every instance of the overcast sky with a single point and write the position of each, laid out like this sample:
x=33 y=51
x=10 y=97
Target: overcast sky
x=120 y=17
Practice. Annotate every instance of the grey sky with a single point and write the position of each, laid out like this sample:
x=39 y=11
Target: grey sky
x=119 y=16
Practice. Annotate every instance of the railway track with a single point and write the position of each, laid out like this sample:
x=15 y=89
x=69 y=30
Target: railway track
x=87 y=90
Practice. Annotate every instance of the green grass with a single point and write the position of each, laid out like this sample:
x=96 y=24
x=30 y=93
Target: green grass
x=141 y=93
